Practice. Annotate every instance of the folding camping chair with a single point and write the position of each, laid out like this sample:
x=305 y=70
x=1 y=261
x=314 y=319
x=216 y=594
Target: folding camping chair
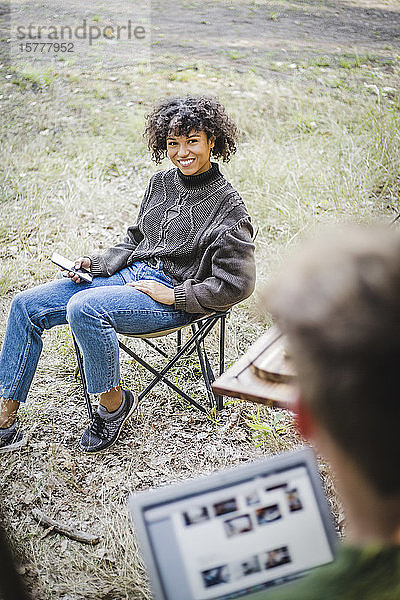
x=199 y=328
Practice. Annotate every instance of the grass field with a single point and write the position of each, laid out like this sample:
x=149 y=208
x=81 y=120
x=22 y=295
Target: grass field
x=320 y=143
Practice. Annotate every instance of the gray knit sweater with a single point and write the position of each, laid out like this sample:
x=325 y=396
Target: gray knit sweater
x=199 y=227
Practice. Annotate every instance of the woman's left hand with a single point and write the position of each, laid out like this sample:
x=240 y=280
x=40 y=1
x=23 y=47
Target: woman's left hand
x=157 y=291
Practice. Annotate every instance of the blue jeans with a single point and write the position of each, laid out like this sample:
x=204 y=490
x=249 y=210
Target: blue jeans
x=95 y=312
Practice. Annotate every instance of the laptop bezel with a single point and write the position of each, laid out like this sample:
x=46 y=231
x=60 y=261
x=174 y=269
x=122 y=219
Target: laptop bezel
x=144 y=500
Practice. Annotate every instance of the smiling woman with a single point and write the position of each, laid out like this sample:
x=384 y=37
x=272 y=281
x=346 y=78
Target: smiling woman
x=189 y=253
x=191 y=115
x=190 y=153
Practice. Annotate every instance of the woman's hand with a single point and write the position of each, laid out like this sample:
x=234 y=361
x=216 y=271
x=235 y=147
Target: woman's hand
x=158 y=291
x=81 y=263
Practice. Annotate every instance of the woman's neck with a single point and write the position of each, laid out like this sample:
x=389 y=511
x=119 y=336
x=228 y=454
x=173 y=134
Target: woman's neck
x=201 y=179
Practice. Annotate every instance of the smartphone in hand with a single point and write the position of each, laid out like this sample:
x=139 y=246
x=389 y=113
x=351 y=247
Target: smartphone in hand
x=69 y=265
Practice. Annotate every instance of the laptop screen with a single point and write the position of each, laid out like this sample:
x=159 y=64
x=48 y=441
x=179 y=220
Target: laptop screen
x=231 y=539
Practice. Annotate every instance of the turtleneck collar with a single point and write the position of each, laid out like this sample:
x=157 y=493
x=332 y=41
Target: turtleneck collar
x=191 y=182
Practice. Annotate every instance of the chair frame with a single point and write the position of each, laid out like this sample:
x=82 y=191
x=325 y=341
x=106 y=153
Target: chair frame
x=200 y=328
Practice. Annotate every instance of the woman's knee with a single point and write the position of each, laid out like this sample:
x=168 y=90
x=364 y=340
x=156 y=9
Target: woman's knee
x=38 y=299
x=75 y=309
x=24 y=302
x=81 y=307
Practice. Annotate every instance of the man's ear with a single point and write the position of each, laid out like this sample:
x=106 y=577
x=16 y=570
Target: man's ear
x=304 y=419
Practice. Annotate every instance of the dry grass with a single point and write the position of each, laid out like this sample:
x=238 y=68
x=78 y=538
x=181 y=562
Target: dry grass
x=164 y=442
x=318 y=146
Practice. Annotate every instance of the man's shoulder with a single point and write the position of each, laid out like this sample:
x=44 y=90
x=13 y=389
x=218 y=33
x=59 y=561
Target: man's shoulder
x=370 y=573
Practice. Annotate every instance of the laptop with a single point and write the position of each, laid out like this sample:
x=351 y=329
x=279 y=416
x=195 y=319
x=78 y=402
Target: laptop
x=235 y=533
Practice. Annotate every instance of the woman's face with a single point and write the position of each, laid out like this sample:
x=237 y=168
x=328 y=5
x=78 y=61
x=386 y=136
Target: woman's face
x=190 y=153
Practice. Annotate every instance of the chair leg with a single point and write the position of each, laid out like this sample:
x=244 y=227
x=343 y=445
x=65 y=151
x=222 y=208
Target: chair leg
x=83 y=379
x=208 y=373
x=219 y=400
x=206 y=369
x=157 y=348
x=159 y=376
x=203 y=331
x=222 y=329
x=178 y=340
x=195 y=343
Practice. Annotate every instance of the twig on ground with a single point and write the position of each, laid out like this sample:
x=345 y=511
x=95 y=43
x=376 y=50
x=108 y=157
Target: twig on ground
x=46 y=532
x=74 y=534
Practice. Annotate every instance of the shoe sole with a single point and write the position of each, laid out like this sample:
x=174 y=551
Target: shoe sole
x=15 y=446
x=132 y=410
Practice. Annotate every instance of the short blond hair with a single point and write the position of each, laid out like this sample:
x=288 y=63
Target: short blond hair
x=338 y=300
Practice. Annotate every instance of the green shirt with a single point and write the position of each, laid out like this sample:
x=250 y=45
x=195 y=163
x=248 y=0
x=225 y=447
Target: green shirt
x=358 y=573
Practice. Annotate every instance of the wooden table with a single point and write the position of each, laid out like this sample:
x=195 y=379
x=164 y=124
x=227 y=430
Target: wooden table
x=264 y=374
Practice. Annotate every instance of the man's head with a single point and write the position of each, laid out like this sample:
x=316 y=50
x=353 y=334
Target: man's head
x=338 y=301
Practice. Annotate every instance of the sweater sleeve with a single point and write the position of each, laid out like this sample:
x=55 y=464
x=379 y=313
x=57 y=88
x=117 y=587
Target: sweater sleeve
x=232 y=278
x=116 y=258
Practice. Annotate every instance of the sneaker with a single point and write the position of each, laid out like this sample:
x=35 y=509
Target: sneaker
x=103 y=433
x=11 y=439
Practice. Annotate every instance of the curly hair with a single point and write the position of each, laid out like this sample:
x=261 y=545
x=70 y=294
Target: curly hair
x=179 y=116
